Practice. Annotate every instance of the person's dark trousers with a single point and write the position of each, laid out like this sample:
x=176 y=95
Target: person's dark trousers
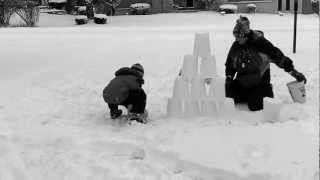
x=136 y=98
x=253 y=97
x=113 y=107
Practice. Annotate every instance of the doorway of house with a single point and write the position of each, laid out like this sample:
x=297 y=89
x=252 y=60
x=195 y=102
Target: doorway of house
x=189 y=3
x=279 y=5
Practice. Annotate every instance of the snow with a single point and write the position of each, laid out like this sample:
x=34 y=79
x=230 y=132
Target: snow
x=54 y=123
x=81 y=17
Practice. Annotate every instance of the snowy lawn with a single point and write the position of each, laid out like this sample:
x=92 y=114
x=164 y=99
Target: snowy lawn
x=54 y=123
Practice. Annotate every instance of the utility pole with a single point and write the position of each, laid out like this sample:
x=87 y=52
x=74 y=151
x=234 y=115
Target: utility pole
x=295 y=25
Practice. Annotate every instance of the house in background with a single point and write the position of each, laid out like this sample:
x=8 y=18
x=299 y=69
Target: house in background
x=263 y=6
x=273 y=6
x=163 y=6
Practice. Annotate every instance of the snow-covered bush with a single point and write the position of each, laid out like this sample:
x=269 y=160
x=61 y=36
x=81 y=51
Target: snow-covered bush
x=139 y=8
x=251 y=8
x=81 y=19
x=228 y=8
x=82 y=10
x=100 y=19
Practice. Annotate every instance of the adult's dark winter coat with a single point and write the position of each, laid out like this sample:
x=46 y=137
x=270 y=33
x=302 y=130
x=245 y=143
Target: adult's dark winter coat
x=248 y=66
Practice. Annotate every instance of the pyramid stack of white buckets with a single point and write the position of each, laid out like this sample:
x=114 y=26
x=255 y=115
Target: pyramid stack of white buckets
x=192 y=96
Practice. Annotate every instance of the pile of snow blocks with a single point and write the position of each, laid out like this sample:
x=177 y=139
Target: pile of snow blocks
x=198 y=91
x=100 y=19
x=81 y=19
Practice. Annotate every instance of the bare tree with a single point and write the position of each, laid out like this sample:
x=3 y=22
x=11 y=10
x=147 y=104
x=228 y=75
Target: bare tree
x=27 y=10
x=6 y=10
x=29 y=13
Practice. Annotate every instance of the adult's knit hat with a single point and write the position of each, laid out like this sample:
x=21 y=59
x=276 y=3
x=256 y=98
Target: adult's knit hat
x=138 y=67
x=242 y=27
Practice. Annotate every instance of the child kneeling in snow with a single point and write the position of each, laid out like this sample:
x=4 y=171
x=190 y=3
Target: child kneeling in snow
x=126 y=89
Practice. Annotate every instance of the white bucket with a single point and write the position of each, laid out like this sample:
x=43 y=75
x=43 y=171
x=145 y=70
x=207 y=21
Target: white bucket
x=201 y=45
x=227 y=107
x=209 y=107
x=271 y=110
x=297 y=91
x=181 y=88
x=191 y=108
x=174 y=108
x=217 y=88
x=189 y=67
x=198 y=88
x=208 y=68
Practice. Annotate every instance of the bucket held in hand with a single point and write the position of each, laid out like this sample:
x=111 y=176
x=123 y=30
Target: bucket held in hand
x=297 y=91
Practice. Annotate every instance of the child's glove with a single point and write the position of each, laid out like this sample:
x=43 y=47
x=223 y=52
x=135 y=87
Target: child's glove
x=298 y=76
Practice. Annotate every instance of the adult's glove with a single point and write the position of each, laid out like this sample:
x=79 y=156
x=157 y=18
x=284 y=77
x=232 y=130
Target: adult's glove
x=298 y=76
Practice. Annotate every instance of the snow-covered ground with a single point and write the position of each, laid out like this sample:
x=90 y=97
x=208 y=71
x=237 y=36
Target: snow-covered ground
x=54 y=123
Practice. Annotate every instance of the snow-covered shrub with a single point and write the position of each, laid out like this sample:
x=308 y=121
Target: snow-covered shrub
x=100 y=19
x=251 y=8
x=81 y=19
x=82 y=10
x=228 y=8
x=139 y=8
